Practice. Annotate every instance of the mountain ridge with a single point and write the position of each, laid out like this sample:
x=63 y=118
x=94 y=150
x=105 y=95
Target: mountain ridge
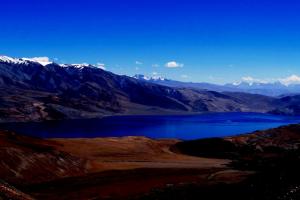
x=31 y=91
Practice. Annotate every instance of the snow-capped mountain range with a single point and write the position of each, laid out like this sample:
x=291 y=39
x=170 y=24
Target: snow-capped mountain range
x=37 y=89
x=40 y=60
x=44 y=61
x=288 y=86
x=284 y=87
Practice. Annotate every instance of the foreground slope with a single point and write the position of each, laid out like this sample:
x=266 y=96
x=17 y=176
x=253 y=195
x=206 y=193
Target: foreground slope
x=111 y=168
x=26 y=160
x=259 y=165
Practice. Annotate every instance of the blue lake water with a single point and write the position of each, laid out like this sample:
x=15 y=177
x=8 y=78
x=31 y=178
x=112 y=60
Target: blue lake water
x=182 y=126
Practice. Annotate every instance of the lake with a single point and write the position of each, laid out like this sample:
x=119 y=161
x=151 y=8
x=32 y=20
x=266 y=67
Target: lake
x=180 y=126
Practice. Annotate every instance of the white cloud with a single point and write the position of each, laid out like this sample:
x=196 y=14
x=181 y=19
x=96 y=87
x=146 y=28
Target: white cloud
x=155 y=65
x=101 y=66
x=293 y=79
x=174 y=64
x=42 y=60
x=184 y=76
x=154 y=73
x=138 y=63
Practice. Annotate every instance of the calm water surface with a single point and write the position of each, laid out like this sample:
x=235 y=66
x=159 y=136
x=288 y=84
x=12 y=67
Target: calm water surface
x=181 y=127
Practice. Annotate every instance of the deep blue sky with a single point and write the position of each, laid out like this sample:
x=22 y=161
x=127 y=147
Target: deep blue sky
x=216 y=40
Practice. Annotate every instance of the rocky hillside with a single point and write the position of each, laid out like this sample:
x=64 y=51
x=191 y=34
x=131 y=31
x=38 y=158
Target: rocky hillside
x=26 y=160
x=9 y=192
x=272 y=154
x=266 y=144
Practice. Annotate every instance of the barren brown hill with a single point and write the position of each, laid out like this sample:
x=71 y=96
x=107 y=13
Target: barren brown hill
x=102 y=168
x=26 y=160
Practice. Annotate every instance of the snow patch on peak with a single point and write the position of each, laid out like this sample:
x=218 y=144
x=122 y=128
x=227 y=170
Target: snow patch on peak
x=81 y=65
x=157 y=78
x=237 y=83
x=148 y=78
x=293 y=79
x=44 y=61
x=283 y=82
x=41 y=60
x=141 y=77
x=12 y=60
x=78 y=66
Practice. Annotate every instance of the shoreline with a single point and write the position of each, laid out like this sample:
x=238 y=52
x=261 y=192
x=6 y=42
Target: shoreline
x=145 y=115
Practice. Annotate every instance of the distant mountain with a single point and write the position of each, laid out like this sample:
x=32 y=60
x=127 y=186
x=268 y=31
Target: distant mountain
x=172 y=83
x=33 y=91
x=269 y=89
